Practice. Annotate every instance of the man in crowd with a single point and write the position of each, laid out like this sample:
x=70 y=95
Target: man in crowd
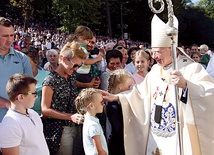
x=11 y=62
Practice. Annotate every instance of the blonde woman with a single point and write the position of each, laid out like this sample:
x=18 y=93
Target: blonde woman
x=58 y=95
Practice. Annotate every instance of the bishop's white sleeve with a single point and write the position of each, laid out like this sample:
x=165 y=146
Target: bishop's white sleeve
x=210 y=67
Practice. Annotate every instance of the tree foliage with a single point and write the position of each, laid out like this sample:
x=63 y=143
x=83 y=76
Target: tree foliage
x=26 y=8
x=208 y=7
x=195 y=22
x=77 y=12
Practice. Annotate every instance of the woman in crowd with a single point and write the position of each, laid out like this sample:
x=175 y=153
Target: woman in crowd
x=130 y=67
x=58 y=95
x=52 y=57
x=38 y=74
x=124 y=53
x=196 y=56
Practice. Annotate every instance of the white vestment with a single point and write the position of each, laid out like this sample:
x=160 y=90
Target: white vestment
x=143 y=136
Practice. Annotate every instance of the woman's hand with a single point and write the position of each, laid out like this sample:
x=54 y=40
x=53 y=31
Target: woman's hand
x=77 y=118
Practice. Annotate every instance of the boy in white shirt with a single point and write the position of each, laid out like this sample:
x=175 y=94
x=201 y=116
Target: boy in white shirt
x=21 y=130
x=90 y=102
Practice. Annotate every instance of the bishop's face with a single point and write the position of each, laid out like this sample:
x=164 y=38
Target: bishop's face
x=162 y=55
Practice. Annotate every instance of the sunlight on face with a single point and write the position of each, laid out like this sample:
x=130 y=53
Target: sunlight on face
x=196 y=58
x=141 y=63
x=114 y=63
x=127 y=85
x=162 y=55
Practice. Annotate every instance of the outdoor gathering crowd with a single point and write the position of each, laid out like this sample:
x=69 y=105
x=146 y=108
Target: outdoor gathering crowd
x=82 y=94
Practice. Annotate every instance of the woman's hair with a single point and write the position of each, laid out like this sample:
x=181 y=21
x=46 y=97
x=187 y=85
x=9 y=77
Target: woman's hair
x=85 y=97
x=117 y=77
x=148 y=51
x=141 y=53
x=130 y=50
x=83 y=31
x=32 y=53
x=71 y=50
x=51 y=51
x=18 y=84
x=120 y=48
x=197 y=53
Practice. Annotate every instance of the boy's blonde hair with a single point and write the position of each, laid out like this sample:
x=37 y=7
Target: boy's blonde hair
x=141 y=53
x=85 y=97
x=71 y=50
x=117 y=77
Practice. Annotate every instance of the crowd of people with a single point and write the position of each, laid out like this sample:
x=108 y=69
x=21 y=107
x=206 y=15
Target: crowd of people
x=64 y=94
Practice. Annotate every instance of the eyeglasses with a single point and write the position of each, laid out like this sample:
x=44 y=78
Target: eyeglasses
x=75 y=65
x=119 y=48
x=158 y=52
x=29 y=93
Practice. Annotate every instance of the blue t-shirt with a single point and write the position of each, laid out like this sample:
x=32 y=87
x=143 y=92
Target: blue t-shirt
x=13 y=62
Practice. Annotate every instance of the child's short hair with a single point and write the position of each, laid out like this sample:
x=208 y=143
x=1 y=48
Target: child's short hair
x=85 y=97
x=18 y=84
x=117 y=77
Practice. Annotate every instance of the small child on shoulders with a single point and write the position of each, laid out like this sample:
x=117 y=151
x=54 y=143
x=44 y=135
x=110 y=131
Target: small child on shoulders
x=90 y=102
x=21 y=130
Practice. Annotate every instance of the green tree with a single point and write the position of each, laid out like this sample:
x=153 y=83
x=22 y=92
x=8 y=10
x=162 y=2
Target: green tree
x=208 y=6
x=77 y=12
x=26 y=7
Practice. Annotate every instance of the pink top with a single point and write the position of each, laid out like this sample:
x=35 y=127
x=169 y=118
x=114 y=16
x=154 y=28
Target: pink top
x=137 y=78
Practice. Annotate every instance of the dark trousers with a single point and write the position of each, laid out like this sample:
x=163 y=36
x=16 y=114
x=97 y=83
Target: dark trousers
x=78 y=143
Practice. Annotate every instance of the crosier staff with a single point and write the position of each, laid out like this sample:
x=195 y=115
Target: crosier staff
x=171 y=32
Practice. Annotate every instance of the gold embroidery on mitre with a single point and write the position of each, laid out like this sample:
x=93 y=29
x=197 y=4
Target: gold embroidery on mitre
x=157 y=152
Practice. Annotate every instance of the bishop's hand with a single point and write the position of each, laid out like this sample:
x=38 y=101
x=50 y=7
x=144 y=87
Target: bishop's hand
x=108 y=96
x=178 y=79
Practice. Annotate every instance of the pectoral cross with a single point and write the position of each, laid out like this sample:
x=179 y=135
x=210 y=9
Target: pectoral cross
x=161 y=93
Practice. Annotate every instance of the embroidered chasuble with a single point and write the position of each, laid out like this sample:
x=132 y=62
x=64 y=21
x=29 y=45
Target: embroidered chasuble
x=149 y=113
